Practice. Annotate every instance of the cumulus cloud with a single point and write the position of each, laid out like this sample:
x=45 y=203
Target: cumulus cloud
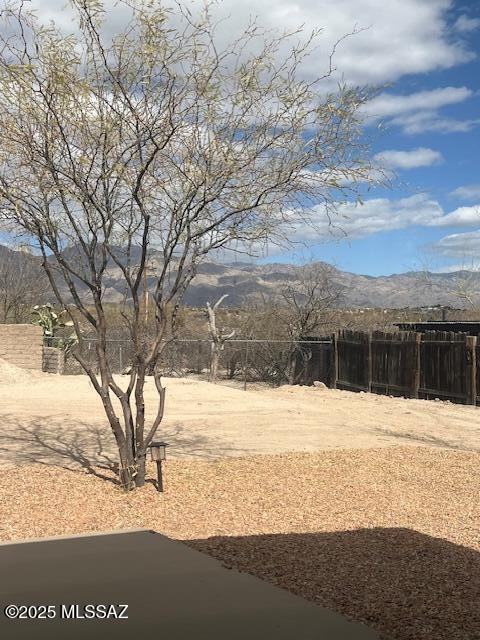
x=395 y=38
x=389 y=104
x=427 y=121
x=419 y=112
x=352 y=221
x=464 y=24
x=420 y=157
x=458 y=245
x=467 y=192
x=374 y=216
x=461 y=217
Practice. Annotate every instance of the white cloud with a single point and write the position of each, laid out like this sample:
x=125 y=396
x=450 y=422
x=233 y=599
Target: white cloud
x=468 y=192
x=374 y=216
x=425 y=121
x=464 y=24
x=378 y=215
x=420 y=157
x=461 y=217
x=400 y=36
x=389 y=104
x=459 y=245
x=419 y=112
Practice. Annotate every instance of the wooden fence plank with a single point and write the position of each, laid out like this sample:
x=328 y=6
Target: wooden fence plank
x=352 y=360
x=416 y=372
x=471 y=369
x=334 y=361
x=444 y=366
x=369 y=362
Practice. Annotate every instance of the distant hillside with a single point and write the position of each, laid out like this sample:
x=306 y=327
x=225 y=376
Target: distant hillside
x=246 y=283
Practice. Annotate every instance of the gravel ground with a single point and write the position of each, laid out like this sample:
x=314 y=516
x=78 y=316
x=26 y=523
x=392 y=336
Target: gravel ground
x=386 y=536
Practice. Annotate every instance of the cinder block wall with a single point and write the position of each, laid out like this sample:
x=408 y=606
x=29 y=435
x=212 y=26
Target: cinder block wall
x=53 y=360
x=22 y=345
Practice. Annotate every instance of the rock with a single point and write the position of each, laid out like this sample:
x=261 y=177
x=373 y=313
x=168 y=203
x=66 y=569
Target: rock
x=319 y=385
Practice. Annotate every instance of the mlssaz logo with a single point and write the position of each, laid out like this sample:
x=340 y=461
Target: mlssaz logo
x=94 y=611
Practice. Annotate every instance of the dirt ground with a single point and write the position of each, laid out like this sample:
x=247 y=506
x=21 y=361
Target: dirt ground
x=60 y=420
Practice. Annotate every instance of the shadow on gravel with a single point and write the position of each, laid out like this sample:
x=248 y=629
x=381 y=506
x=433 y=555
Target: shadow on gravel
x=430 y=440
x=52 y=441
x=407 y=585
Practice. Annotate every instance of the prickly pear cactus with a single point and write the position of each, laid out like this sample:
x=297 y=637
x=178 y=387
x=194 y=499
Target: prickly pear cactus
x=50 y=320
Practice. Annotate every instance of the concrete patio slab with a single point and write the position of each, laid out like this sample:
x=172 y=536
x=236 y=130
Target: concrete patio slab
x=171 y=591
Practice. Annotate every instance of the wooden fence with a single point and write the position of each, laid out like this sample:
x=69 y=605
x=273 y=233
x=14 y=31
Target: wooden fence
x=448 y=367
x=313 y=361
x=435 y=364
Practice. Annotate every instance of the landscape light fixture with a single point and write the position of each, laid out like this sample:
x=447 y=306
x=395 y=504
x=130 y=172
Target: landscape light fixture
x=158 y=452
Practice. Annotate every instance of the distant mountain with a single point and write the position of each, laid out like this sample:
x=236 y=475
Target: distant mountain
x=247 y=283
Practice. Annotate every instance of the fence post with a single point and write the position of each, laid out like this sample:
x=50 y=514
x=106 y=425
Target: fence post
x=416 y=364
x=199 y=358
x=471 y=369
x=245 y=365
x=333 y=381
x=369 y=362
x=61 y=362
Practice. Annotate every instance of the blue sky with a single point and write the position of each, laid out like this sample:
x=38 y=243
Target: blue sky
x=424 y=57
x=430 y=216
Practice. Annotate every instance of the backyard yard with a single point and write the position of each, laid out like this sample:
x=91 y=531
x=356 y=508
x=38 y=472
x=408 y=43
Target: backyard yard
x=175 y=182
x=365 y=504
x=60 y=420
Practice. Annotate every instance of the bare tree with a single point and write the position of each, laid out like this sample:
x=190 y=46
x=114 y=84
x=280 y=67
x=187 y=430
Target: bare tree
x=306 y=306
x=458 y=287
x=158 y=139
x=23 y=284
x=300 y=308
x=309 y=300
x=217 y=337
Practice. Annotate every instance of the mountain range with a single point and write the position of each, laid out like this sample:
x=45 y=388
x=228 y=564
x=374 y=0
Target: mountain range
x=246 y=283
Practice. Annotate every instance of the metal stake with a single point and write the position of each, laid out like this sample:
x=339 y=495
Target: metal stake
x=159 y=476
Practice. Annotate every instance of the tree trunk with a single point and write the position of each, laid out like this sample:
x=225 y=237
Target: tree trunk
x=214 y=361
x=127 y=466
x=292 y=367
x=141 y=470
x=232 y=366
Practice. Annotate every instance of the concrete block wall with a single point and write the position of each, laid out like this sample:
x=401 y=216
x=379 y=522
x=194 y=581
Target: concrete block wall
x=22 y=345
x=53 y=360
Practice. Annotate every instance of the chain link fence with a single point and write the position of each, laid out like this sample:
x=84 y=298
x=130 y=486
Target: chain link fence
x=274 y=362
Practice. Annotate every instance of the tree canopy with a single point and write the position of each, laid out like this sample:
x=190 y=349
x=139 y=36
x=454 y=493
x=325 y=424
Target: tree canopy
x=156 y=138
